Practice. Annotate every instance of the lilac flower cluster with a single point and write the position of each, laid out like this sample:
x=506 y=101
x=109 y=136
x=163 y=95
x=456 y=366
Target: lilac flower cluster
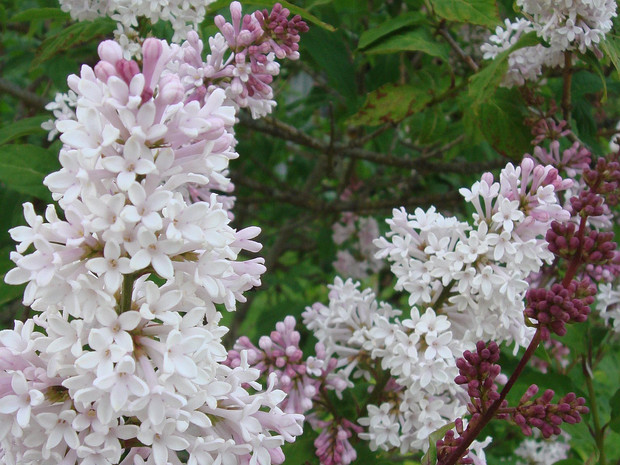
x=123 y=361
x=565 y=25
x=242 y=61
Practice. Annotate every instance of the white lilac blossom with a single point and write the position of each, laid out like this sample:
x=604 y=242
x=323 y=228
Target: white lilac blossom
x=418 y=353
x=123 y=362
x=608 y=304
x=543 y=452
x=564 y=25
x=477 y=272
x=184 y=15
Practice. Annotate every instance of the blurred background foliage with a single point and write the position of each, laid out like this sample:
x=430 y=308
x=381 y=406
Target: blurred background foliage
x=390 y=105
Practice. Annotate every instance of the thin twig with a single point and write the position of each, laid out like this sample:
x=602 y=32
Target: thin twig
x=29 y=98
x=469 y=61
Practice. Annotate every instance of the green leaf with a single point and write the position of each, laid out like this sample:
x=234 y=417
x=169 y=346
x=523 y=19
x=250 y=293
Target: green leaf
x=430 y=458
x=305 y=14
x=391 y=103
x=614 y=403
x=595 y=65
x=23 y=167
x=611 y=47
x=412 y=41
x=482 y=85
x=501 y=122
x=388 y=27
x=326 y=49
x=23 y=127
x=482 y=12
x=40 y=13
x=72 y=36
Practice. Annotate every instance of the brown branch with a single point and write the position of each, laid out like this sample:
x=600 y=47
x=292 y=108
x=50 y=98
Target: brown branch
x=457 y=48
x=29 y=98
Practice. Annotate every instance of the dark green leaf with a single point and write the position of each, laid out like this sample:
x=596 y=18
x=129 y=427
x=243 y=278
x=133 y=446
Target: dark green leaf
x=23 y=167
x=614 y=403
x=483 y=12
x=23 y=127
x=40 y=13
x=326 y=48
x=430 y=458
x=392 y=25
x=72 y=36
x=413 y=41
x=501 y=122
x=305 y=14
x=611 y=47
x=391 y=103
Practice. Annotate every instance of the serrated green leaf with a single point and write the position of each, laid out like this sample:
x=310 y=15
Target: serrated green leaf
x=388 y=27
x=412 y=41
x=23 y=167
x=23 y=127
x=305 y=14
x=72 y=36
x=482 y=12
x=40 y=13
x=430 y=458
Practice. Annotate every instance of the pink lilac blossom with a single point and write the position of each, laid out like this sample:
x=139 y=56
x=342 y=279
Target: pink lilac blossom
x=124 y=354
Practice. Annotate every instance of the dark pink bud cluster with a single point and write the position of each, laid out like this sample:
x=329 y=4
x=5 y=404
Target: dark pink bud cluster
x=587 y=245
x=333 y=446
x=547 y=128
x=554 y=308
x=477 y=373
x=604 y=179
x=587 y=203
x=450 y=442
x=544 y=415
x=283 y=32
